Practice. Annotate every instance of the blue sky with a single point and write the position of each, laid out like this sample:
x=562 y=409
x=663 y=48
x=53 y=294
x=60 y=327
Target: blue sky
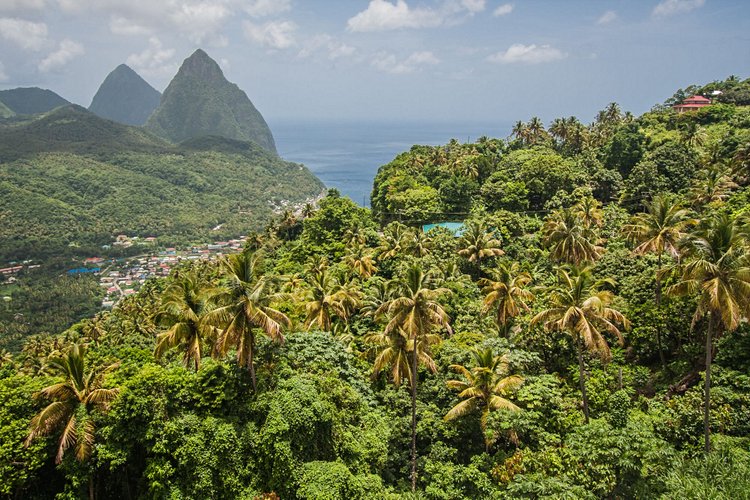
x=441 y=60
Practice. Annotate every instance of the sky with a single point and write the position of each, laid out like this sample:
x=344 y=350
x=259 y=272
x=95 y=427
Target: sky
x=389 y=60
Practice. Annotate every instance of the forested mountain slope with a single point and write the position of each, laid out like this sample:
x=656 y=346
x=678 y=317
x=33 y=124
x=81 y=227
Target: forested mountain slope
x=72 y=178
x=31 y=101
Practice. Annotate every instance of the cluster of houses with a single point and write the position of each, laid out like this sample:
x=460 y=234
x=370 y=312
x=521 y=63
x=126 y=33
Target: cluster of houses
x=125 y=277
x=8 y=274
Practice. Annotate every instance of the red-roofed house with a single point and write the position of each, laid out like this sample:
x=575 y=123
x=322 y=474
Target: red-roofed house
x=691 y=103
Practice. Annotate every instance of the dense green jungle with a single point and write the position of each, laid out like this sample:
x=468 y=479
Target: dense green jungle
x=584 y=335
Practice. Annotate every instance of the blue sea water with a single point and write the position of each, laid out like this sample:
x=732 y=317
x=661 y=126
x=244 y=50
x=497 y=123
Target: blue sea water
x=347 y=155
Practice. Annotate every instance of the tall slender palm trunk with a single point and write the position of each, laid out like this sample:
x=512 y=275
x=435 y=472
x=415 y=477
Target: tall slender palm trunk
x=659 y=312
x=707 y=387
x=582 y=381
x=251 y=359
x=414 y=419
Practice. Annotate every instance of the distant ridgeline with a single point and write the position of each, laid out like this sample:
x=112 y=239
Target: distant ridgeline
x=70 y=180
x=29 y=101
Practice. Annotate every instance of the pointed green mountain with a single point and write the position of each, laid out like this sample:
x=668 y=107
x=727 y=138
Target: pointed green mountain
x=125 y=97
x=30 y=101
x=199 y=101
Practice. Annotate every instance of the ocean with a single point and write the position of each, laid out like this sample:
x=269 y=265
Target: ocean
x=347 y=155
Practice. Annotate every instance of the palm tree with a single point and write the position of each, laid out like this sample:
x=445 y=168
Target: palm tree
x=477 y=243
x=392 y=352
x=244 y=305
x=329 y=297
x=484 y=387
x=741 y=162
x=589 y=211
x=183 y=307
x=467 y=165
x=393 y=241
x=559 y=129
x=536 y=130
x=610 y=116
x=355 y=235
x=521 y=132
x=361 y=261
x=580 y=308
x=659 y=230
x=74 y=401
x=569 y=239
x=717 y=271
x=505 y=293
x=418 y=244
x=415 y=313
x=6 y=358
x=713 y=185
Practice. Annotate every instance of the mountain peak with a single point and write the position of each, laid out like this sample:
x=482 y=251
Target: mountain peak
x=199 y=101
x=125 y=97
x=200 y=65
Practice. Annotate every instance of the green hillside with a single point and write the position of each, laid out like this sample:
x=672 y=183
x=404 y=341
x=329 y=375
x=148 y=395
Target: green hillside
x=71 y=178
x=199 y=101
x=32 y=100
x=125 y=97
x=73 y=129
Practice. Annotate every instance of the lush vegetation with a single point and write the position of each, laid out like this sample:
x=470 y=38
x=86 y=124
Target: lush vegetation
x=199 y=101
x=70 y=182
x=45 y=301
x=585 y=337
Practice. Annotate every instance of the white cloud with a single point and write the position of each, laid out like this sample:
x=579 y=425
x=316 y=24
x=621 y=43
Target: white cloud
x=473 y=6
x=14 y=5
x=200 y=21
x=330 y=46
x=390 y=64
x=670 y=7
x=607 y=17
x=122 y=26
x=66 y=52
x=265 y=8
x=197 y=20
x=503 y=10
x=528 y=54
x=25 y=34
x=3 y=75
x=155 y=60
x=275 y=35
x=382 y=15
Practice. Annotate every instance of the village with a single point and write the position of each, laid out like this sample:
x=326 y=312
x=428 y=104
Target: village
x=121 y=277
